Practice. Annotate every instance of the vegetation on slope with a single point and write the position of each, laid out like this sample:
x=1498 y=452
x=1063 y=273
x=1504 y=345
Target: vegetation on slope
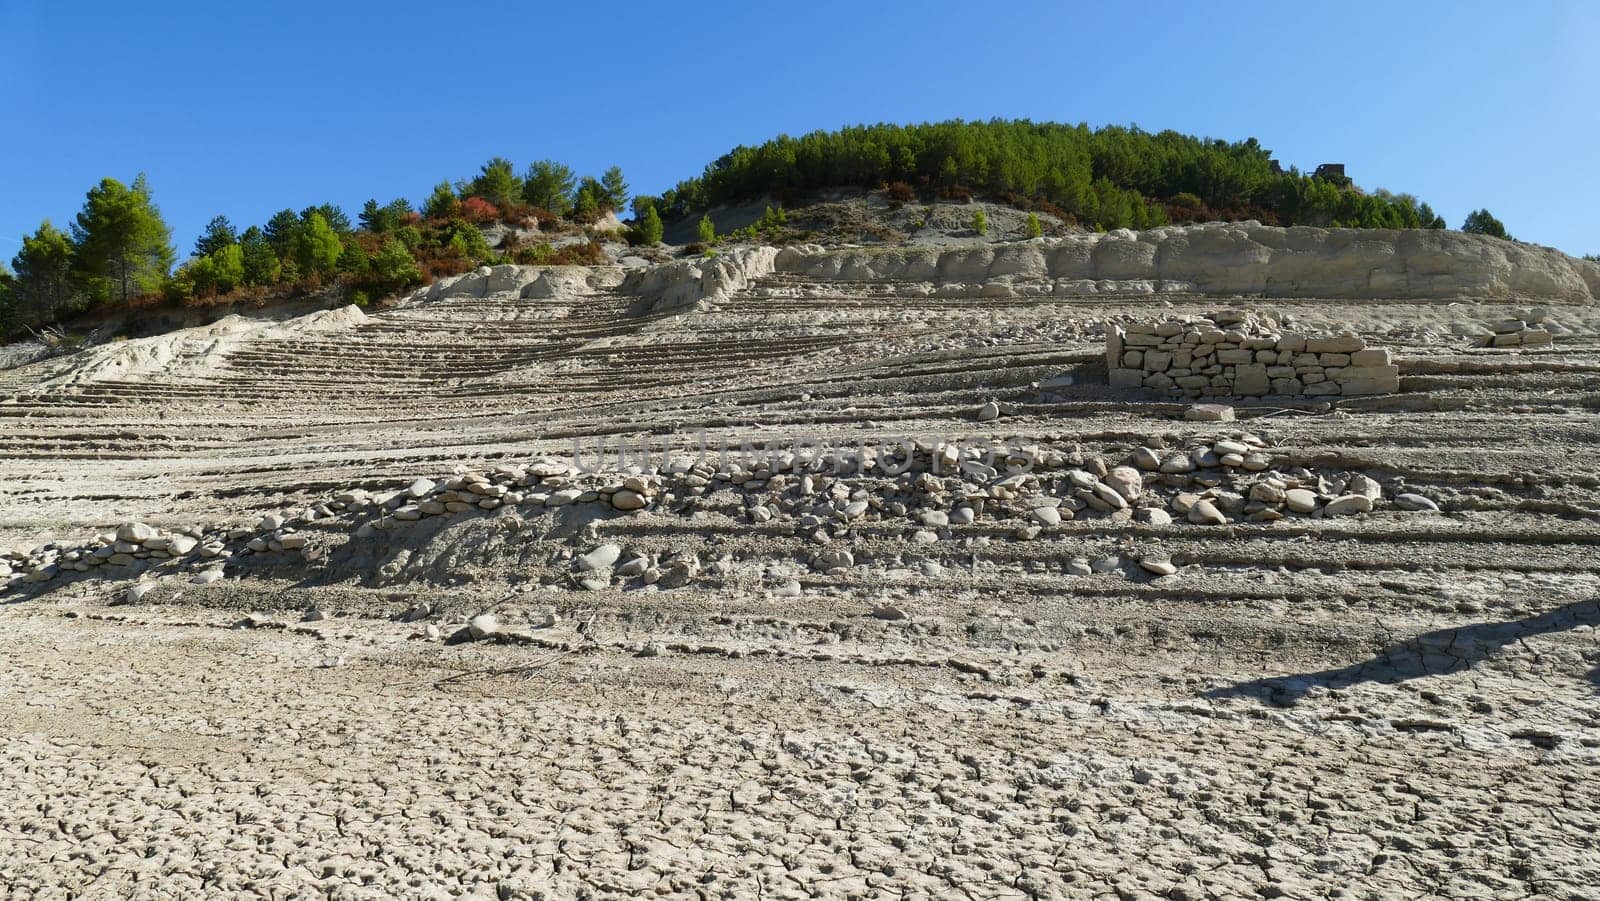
x=119 y=254
x=1112 y=177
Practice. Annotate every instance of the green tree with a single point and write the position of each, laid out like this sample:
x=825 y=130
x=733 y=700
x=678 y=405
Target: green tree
x=1034 y=228
x=615 y=189
x=353 y=258
x=219 y=233
x=217 y=272
x=706 y=230
x=460 y=238
x=122 y=247
x=497 y=182
x=8 y=299
x=332 y=215
x=228 y=262
x=258 y=262
x=318 y=248
x=393 y=268
x=590 y=201
x=442 y=203
x=980 y=222
x=549 y=185
x=42 y=287
x=650 y=227
x=283 y=233
x=372 y=217
x=384 y=219
x=1482 y=222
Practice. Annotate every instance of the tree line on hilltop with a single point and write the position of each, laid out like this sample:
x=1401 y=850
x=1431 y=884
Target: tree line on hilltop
x=1113 y=177
x=118 y=253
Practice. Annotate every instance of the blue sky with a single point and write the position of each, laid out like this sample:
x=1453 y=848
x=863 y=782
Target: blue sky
x=245 y=109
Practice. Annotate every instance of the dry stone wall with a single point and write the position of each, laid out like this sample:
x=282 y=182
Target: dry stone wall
x=1235 y=354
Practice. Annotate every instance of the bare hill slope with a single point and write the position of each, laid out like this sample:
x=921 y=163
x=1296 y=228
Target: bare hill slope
x=979 y=624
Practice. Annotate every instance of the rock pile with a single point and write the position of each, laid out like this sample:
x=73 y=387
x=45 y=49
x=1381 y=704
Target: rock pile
x=926 y=492
x=1523 y=330
x=129 y=545
x=1236 y=354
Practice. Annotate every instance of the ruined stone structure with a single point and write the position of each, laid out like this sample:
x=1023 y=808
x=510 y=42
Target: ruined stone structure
x=1235 y=354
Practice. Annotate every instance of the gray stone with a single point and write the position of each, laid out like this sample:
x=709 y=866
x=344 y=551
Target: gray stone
x=1160 y=565
x=628 y=499
x=1410 y=501
x=1348 y=505
x=1046 y=515
x=1300 y=500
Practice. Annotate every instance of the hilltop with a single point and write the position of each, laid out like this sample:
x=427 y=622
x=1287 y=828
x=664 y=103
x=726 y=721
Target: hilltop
x=916 y=183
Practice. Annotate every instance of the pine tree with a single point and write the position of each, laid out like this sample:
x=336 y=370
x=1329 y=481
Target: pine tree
x=393 y=268
x=497 y=182
x=8 y=299
x=616 y=190
x=650 y=227
x=42 y=287
x=219 y=233
x=283 y=233
x=980 y=222
x=372 y=218
x=549 y=185
x=383 y=219
x=706 y=230
x=442 y=203
x=1034 y=228
x=319 y=248
x=228 y=261
x=353 y=258
x=332 y=215
x=258 y=261
x=122 y=246
x=1482 y=222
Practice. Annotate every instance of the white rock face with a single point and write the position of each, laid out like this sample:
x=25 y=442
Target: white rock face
x=1235 y=258
x=687 y=284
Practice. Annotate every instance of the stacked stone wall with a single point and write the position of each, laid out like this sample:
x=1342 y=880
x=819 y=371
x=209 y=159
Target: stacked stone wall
x=1236 y=354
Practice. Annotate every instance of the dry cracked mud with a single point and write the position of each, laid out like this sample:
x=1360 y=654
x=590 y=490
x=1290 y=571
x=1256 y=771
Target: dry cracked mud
x=1397 y=703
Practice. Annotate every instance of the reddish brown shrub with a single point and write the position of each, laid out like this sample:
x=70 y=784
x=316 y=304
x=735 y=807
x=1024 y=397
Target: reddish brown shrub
x=477 y=210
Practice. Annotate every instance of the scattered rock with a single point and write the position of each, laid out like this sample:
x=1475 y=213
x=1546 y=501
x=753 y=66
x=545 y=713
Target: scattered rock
x=1348 y=505
x=1160 y=565
x=601 y=558
x=1209 y=413
x=1410 y=501
x=483 y=625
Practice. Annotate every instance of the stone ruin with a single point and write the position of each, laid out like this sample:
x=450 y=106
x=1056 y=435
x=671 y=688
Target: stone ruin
x=1238 y=354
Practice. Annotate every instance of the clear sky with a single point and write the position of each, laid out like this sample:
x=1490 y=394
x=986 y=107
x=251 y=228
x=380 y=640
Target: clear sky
x=248 y=108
